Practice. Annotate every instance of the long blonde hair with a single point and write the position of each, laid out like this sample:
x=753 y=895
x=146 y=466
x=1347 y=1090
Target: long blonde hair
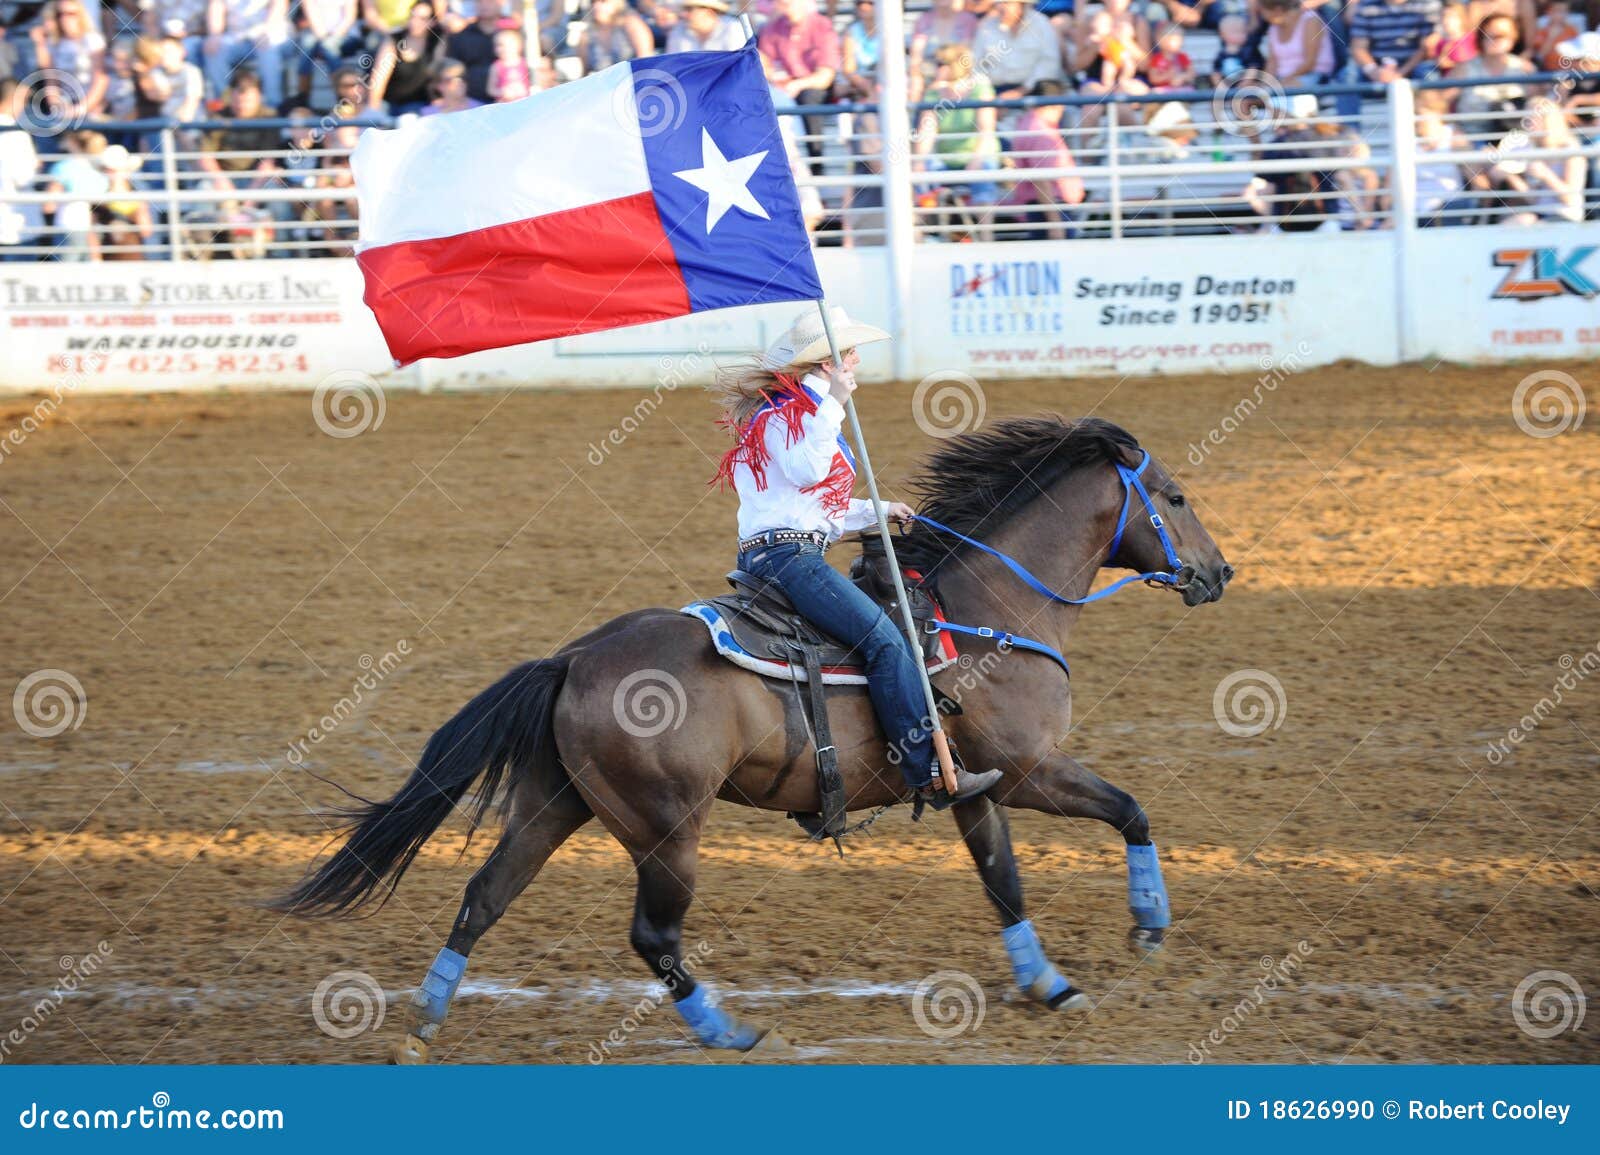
x=741 y=386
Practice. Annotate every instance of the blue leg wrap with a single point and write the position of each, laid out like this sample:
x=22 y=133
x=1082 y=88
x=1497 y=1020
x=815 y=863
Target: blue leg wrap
x=1034 y=973
x=1147 y=894
x=432 y=1001
x=713 y=1026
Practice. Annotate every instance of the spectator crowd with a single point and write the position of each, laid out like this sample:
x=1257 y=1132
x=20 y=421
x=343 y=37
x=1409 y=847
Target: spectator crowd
x=72 y=70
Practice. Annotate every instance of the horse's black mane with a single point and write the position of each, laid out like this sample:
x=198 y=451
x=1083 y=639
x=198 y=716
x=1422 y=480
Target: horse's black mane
x=975 y=482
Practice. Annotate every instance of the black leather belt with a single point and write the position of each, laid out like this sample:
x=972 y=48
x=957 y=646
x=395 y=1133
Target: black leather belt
x=784 y=537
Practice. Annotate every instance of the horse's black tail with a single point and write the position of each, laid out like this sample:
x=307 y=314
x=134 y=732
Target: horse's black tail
x=508 y=727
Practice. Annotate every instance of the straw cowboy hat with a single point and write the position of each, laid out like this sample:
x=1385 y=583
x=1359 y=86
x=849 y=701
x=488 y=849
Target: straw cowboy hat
x=715 y=5
x=806 y=343
x=1585 y=46
x=115 y=158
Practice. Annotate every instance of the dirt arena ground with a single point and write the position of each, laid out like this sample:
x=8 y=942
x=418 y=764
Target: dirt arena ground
x=1414 y=570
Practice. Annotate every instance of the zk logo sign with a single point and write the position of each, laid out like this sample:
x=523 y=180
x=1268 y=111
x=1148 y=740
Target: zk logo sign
x=1538 y=273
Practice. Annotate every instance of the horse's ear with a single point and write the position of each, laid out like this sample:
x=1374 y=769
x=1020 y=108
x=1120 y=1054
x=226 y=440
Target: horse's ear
x=1129 y=455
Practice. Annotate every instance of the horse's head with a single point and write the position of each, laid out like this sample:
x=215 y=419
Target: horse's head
x=1159 y=532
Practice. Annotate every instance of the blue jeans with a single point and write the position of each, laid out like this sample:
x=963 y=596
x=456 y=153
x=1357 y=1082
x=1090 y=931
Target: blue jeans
x=831 y=602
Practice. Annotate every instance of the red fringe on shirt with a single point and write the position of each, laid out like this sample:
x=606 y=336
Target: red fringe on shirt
x=791 y=404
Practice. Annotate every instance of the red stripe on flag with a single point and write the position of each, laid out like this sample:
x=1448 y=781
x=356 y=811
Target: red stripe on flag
x=597 y=267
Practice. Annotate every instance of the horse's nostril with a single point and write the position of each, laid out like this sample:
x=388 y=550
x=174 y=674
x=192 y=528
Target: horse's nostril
x=1227 y=573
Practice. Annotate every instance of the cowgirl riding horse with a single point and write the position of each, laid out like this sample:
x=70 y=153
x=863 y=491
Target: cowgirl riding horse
x=1057 y=500
x=793 y=471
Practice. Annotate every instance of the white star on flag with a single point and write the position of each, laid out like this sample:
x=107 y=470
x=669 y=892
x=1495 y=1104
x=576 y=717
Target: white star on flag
x=725 y=182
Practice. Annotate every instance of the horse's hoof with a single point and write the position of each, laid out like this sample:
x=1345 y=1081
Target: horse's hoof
x=1071 y=999
x=1147 y=940
x=408 y=1052
x=771 y=1047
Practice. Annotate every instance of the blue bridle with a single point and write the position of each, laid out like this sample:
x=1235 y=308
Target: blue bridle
x=1177 y=574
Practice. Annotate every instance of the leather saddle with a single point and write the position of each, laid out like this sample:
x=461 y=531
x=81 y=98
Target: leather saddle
x=764 y=624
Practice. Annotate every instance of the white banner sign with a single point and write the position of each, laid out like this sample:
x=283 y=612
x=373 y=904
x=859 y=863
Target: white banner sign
x=1066 y=308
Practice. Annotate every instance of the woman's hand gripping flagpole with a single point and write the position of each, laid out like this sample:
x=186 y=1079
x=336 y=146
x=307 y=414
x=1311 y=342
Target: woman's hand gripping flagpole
x=941 y=744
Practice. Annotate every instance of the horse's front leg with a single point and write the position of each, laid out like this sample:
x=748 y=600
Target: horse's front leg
x=1058 y=784
x=988 y=836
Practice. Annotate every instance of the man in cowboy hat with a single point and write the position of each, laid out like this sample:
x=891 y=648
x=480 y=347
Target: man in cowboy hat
x=794 y=472
x=705 y=27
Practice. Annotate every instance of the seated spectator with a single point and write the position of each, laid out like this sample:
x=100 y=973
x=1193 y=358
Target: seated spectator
x=70 y=51
x=1443 y=196
x=122 y=93
x=1233 y=53
x=1390 y=39
x=1457 y=42
x=861 y=214
x=1169 y=134
x=947 y=22
x=247 y=31
x=1210 y=14
x=384 y=19
x=1117 y=70
x=858 y=73
x=402 y=75
x=472 y=45
x=661 y=17
x=231 y=156
x=706 y=27
x=1522 y=13
x=125 y=224
x=1016 y=48
x=1545 y=190
x=510 y=78
x=1297 y=44
x=177 y=83
x=1582 y=97
x=1311 y=199
x=951 y=139
x=1038 y=144
x=1555 y=27
x=1169 y=68
x=449 y=89
x=614 y=33
x=331 y=33
x=78 y=179
x=351 y=95
x=10 y=55
x=20 y=221
x=800 y=54
x=1489 y=109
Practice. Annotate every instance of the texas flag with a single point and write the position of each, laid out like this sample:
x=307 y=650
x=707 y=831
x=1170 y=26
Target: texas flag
x=653 y=189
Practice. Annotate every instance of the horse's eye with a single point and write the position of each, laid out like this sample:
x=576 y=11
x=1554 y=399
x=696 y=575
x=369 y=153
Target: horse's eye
x=1176 y=499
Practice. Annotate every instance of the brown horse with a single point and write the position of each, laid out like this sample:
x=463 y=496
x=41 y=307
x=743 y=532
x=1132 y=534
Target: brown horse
x=642 y=725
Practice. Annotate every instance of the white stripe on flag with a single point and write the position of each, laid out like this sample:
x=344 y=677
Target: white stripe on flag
x=442 y=176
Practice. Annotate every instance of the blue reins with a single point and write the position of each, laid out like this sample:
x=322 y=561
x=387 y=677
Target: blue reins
x=1132 y=482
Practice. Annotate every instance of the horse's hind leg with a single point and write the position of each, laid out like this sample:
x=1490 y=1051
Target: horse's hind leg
x=666 y=888
x=538 y=824
x=988 y=836
x=1060 y=785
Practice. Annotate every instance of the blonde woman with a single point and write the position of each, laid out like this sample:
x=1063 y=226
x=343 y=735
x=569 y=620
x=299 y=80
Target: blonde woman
x=794 y=472
x=1554 y=189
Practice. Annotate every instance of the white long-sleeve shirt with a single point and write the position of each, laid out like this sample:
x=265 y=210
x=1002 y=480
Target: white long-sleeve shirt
x=792 y=468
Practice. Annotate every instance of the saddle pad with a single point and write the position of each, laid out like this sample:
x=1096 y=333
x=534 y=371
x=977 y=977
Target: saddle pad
x=728 y=646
